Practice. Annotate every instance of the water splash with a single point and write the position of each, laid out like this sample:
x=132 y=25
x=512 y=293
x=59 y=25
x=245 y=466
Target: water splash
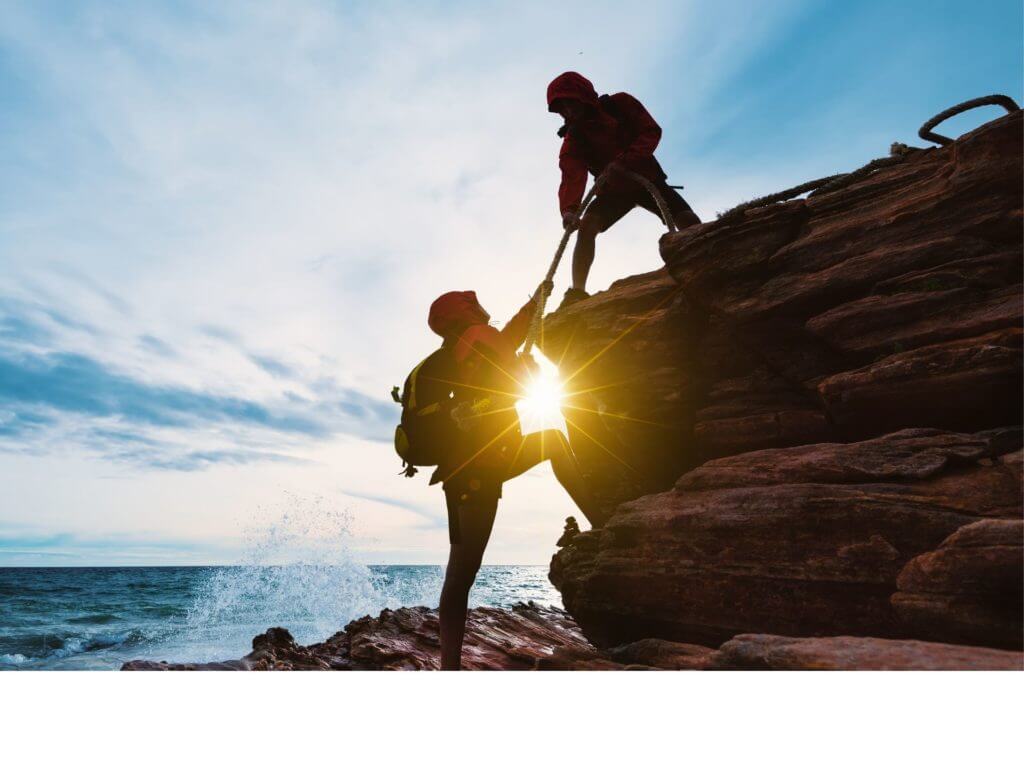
x=299 y=573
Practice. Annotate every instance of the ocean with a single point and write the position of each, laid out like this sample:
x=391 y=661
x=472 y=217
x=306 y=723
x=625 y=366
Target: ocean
x=98 y=618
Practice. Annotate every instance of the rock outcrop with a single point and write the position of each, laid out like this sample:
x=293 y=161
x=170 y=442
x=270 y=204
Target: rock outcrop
x=808 y=540
x=407 y=639
x=807 y=424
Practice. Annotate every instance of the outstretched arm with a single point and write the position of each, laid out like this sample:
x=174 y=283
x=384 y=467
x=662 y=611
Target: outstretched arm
x=515 y=330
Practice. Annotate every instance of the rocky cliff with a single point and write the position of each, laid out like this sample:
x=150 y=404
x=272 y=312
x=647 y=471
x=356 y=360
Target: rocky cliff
x=807 y=427
x=807 y=423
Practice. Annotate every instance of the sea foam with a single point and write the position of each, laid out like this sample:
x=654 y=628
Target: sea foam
x=299 y=572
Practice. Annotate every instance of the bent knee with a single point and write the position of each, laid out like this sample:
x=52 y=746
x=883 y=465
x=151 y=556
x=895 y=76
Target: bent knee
x=557 y=437
x=462 y=570
x=590 y=227
x=556 y=444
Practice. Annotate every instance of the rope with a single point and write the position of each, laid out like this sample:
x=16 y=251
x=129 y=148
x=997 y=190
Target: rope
x=897 y=154
x=996 y=99
x=778 y=197
x=538 y=313
x=666 y=216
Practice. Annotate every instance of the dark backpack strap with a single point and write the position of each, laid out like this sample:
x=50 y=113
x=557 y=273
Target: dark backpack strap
x=608 y=105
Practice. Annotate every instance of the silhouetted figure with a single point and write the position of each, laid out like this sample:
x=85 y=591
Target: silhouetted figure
x=487 y=447
x=602 y=133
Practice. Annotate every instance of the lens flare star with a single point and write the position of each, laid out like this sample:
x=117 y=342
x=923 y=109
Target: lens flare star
x=540 y=407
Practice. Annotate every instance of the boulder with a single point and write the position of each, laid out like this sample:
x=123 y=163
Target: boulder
x=969 y=588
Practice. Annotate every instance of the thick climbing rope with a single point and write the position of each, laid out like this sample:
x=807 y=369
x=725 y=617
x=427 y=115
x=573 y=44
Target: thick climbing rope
x=995 y=100
x=538 y=315
x=897 y=154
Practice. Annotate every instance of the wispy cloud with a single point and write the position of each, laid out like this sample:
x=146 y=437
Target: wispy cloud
x=127 y=419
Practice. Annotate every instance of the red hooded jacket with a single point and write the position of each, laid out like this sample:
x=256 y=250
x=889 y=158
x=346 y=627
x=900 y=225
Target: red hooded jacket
x=629 y=137
x=487 y=366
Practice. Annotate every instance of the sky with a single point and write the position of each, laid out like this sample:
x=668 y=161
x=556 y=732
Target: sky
x=222 y=224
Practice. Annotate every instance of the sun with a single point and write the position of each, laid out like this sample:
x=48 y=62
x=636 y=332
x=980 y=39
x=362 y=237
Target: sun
x=540 y=407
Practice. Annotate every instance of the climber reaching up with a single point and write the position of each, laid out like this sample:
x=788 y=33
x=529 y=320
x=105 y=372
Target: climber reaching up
x=601 y=134
x=468 y=389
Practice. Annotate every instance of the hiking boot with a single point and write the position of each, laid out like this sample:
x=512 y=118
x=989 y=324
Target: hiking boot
x=572 y=296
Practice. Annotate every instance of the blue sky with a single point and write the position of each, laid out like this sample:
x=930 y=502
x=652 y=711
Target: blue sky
x=221 y=226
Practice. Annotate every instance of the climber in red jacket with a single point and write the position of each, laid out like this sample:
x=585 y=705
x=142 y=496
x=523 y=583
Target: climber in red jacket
x=488 y=448
x=602 y=134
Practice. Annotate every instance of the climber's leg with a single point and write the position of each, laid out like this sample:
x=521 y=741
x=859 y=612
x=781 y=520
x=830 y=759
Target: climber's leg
x=583 y=253
x=602 y=213
x=472 y=506
x=552 y=445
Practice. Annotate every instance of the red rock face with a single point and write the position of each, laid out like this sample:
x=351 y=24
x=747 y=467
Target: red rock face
x=844 y=395
x=894 y=302
x=791 y=541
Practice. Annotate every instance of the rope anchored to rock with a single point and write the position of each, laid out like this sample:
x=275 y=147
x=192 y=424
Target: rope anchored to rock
x=995 y=100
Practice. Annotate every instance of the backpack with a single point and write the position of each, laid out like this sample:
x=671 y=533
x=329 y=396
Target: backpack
x=626 y=131
x=425 y=433
x=608 y=105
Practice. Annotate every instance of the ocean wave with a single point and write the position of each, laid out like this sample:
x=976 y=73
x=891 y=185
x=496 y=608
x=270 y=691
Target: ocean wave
x=53 y=646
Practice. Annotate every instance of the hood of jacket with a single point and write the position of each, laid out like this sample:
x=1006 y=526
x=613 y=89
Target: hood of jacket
x=571 y=85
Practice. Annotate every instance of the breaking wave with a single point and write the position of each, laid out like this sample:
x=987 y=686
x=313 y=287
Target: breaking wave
x=299 y=573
